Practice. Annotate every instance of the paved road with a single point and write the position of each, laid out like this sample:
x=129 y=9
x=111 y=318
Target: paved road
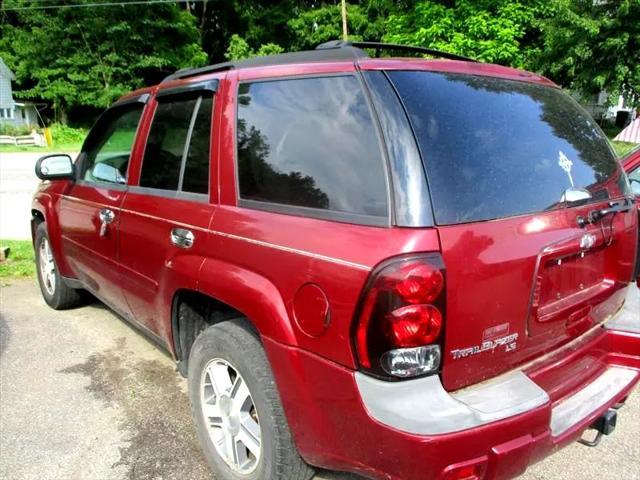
x=17 y=184
x=84 y=396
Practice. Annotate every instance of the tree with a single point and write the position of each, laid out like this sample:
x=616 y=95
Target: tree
x=316 y=25
x=497 y=31
x=593 y=45
x=90 y=56
x=239 y=49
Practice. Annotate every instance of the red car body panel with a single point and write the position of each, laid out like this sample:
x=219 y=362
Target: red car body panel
x=256 y=262
x=502 y=256
x=323 y=405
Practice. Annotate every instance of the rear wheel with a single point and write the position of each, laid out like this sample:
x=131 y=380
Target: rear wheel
x=237 y=409
x=54 y=291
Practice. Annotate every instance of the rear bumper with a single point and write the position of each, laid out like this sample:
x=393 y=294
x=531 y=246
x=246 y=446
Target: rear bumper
x=346 y=421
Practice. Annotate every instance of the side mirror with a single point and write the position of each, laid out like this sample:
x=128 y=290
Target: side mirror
x=58 y=166
x=107 y=173
x=573 y=194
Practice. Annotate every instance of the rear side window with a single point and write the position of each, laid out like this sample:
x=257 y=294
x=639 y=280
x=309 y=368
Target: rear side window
x=312 y=143
x=177 y=153
x=495 y=148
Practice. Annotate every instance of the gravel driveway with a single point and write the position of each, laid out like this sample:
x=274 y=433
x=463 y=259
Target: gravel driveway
x=84 y=396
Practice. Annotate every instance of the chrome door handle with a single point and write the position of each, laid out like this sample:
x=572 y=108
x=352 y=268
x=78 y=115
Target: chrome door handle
x=181 y=237
x=107 y=217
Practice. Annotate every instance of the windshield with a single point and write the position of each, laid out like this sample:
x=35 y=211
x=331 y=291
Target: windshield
x=495 y=148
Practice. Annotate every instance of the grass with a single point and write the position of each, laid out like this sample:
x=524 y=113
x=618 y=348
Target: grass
x=21 y=261
x=622 y=148
x=64 y=147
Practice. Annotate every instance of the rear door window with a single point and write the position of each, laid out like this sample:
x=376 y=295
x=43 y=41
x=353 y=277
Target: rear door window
x=196 y=172
x=310 y=143
x=176 y=156
x=495 y=148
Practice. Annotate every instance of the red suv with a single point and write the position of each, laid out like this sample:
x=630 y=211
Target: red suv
x=403 y=268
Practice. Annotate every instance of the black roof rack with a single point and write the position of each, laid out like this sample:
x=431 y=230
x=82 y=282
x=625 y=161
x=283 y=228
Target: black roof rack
x=339 y=52
x=328 y=51
x=378 y=47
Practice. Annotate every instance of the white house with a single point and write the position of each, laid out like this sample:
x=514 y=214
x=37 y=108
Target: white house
x=11 y=111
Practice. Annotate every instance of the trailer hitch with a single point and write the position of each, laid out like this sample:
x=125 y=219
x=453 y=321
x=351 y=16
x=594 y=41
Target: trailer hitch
x=604 y=425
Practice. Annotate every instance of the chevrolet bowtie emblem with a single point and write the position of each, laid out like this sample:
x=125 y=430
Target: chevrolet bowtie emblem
x=587 y=241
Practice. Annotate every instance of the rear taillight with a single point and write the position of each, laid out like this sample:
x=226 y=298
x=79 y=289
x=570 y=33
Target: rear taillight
x=400 y=317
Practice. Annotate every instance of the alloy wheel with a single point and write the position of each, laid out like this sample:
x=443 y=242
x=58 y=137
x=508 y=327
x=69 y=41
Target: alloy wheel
x=47 y=267
x=230 y=415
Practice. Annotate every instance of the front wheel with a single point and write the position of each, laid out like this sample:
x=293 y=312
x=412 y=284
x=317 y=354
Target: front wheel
x=54 y=291
x=237 y=409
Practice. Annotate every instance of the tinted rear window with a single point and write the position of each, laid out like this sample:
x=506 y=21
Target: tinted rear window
x=495 y=148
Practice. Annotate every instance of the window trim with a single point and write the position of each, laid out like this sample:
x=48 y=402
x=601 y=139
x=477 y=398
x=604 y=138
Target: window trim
x=409 y=187
x=81 y=159
x=187 y=144
x=163 y=192
x=318 y=213
x=102 y=184
x=172 y=194
x=310 y=212
x=143 y=99
x=195 y=89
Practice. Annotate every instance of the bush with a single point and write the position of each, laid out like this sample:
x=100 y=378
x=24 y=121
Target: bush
x=16 y=130
x=65 y=135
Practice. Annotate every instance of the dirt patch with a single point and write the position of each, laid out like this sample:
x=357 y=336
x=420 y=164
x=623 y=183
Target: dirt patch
x=161 y=442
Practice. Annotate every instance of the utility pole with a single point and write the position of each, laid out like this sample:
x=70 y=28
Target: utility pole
x=344 y=20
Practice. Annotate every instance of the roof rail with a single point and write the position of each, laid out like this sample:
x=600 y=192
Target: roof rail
x=328 y=53
x=334 y=50
x=378 y=47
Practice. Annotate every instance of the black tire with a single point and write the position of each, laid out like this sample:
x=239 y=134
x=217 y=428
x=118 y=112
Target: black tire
x=61 y=295
x=235 y=344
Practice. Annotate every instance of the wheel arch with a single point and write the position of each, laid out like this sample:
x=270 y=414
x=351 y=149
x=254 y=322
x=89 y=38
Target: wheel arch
x=42 y=210
x=226 y=292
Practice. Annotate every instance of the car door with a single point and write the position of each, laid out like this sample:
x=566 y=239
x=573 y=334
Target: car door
x=165 y=217
x=89 y=212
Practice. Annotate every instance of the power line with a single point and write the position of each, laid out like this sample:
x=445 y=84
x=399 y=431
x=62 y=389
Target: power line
x=99 y=4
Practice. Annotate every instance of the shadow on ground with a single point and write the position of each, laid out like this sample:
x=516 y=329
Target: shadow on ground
x=160 y=437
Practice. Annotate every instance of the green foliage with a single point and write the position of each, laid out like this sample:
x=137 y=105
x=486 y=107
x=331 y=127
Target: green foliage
x=78 y=58
x=269 y=49
x=239 y=49
x=91 y=56
x=21 y=261
x=365 y=21
x=592 y=46
x=318 y=25
x=622 y=148
x=497 y=31
x=64 y=135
